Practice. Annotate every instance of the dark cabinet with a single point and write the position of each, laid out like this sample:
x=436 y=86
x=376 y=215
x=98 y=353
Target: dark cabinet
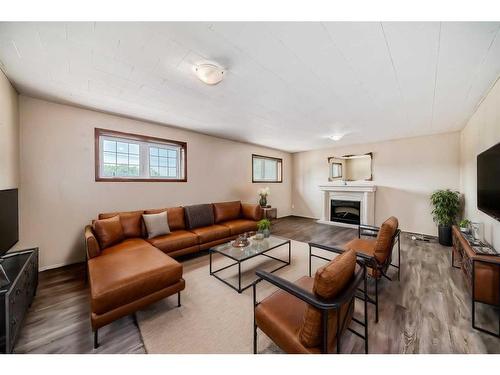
x=21 y=269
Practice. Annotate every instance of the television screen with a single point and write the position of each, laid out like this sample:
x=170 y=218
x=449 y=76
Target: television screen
x=9 y=220
x=488 y=181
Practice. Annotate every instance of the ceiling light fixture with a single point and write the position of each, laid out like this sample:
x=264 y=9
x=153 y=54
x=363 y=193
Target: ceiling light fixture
x=209 y=72
x=336 y=137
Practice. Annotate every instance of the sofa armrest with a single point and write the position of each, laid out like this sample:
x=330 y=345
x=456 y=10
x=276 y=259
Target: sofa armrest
x=91 y=244
x=251 y=211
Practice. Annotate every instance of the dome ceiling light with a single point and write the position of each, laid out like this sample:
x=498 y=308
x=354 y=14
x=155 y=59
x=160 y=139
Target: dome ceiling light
x=209 y=72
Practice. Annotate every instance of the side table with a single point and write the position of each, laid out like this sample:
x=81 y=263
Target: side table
x=270 y=213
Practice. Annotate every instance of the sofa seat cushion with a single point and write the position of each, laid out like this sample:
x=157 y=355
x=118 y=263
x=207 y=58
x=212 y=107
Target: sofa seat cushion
x=240 y=226
x=212 y=233
x=176 y=240
x=120 y=276
x=129 y=243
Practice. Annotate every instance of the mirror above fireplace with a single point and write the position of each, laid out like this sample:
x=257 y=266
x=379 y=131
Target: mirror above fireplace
x=350 y=167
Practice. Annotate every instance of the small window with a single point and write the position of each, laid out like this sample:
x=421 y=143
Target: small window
x=131 y=157
x=266 y=169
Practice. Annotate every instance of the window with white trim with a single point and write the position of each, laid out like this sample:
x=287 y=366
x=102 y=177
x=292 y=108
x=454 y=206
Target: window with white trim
x=266 y=169
x=131 y=157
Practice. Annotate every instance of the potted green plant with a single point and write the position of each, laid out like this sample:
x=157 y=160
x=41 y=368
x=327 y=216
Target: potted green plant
x=446 y=205
x=465 y=225
x=264 y=227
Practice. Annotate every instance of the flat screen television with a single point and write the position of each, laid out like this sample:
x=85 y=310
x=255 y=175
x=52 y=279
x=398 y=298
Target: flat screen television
x=488 y=181
x=9 y=219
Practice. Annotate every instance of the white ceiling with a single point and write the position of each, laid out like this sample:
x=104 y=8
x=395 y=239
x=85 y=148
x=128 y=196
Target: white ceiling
x=289 y=85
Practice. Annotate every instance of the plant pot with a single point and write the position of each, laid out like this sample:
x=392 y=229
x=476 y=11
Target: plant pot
x=263 y=201
x=445 y=235
x=266 y=233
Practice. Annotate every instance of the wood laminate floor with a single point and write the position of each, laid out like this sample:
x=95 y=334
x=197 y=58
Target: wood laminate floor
x=427 y=311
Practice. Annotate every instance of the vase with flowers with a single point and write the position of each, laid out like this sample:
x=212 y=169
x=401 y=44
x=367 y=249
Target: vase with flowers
x=263 y=193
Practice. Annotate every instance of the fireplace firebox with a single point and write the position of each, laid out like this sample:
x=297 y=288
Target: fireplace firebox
x=343 y=211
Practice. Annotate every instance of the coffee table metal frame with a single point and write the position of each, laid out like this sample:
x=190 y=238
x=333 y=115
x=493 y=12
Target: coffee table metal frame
x=238 y=262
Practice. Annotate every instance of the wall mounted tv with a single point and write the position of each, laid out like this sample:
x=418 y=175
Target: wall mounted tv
x=488 y=181
x=9 y=220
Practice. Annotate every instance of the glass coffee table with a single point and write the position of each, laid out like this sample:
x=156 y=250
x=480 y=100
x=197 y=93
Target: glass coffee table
x=241 y=254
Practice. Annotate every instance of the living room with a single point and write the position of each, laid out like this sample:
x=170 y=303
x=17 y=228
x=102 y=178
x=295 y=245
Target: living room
x=210 y=187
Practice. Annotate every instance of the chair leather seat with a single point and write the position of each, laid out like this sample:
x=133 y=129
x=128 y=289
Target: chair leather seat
x=239 y=226
x=127 y=272
x=176 y=240
x=281 y=315
x=211 y=233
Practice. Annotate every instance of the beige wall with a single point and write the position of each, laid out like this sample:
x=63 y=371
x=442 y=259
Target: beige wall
x=481 y=132
x=59 y=195
x=405 y=171
x=9 y=135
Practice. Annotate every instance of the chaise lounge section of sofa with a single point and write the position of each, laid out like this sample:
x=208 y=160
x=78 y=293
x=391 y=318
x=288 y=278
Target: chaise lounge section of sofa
x=128 y=271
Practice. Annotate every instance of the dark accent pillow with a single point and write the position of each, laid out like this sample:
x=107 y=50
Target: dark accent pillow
x=199 y=215
x=108 y=231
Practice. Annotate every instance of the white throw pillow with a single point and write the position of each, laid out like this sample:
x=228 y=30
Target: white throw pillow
x=156 y=224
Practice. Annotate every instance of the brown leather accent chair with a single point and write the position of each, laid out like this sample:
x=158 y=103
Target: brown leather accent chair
x=310 y=315
x=128 y=271
x=377 y=252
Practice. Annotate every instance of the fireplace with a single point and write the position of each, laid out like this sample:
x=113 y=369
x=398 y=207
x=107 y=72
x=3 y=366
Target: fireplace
x=343 y=211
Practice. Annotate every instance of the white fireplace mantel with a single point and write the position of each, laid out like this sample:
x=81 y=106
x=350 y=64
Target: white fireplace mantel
x=363 y=192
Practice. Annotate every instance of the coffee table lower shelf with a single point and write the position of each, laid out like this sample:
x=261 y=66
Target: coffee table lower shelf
x=238 y=262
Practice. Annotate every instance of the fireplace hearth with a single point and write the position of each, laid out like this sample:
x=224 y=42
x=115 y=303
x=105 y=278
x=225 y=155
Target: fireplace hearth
x=344 y=211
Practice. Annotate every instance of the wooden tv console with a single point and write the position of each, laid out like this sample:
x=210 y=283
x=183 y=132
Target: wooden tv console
x=482 y=273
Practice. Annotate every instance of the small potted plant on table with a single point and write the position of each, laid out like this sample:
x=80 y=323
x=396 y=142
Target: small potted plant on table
x=446 y=205
x=465 y=226
x=264 y=227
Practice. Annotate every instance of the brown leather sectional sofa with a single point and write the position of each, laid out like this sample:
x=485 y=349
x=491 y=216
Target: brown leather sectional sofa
x=127 y=271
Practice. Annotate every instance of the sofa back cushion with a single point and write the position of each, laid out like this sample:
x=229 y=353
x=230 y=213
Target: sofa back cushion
x=175 y=216
x=329 y=281
x=156 y=224
x=131 y=222
x=225 y=211
x=251 y=211
x=108 y=231
x=199 y=215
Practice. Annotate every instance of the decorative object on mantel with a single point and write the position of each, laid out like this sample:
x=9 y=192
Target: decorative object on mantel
x=446 y=205
x=465 y=226
x=263 y=193
x=264 y=227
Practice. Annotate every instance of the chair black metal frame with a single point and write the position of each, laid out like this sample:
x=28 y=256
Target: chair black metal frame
x=370 y=261
x=323 y=305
